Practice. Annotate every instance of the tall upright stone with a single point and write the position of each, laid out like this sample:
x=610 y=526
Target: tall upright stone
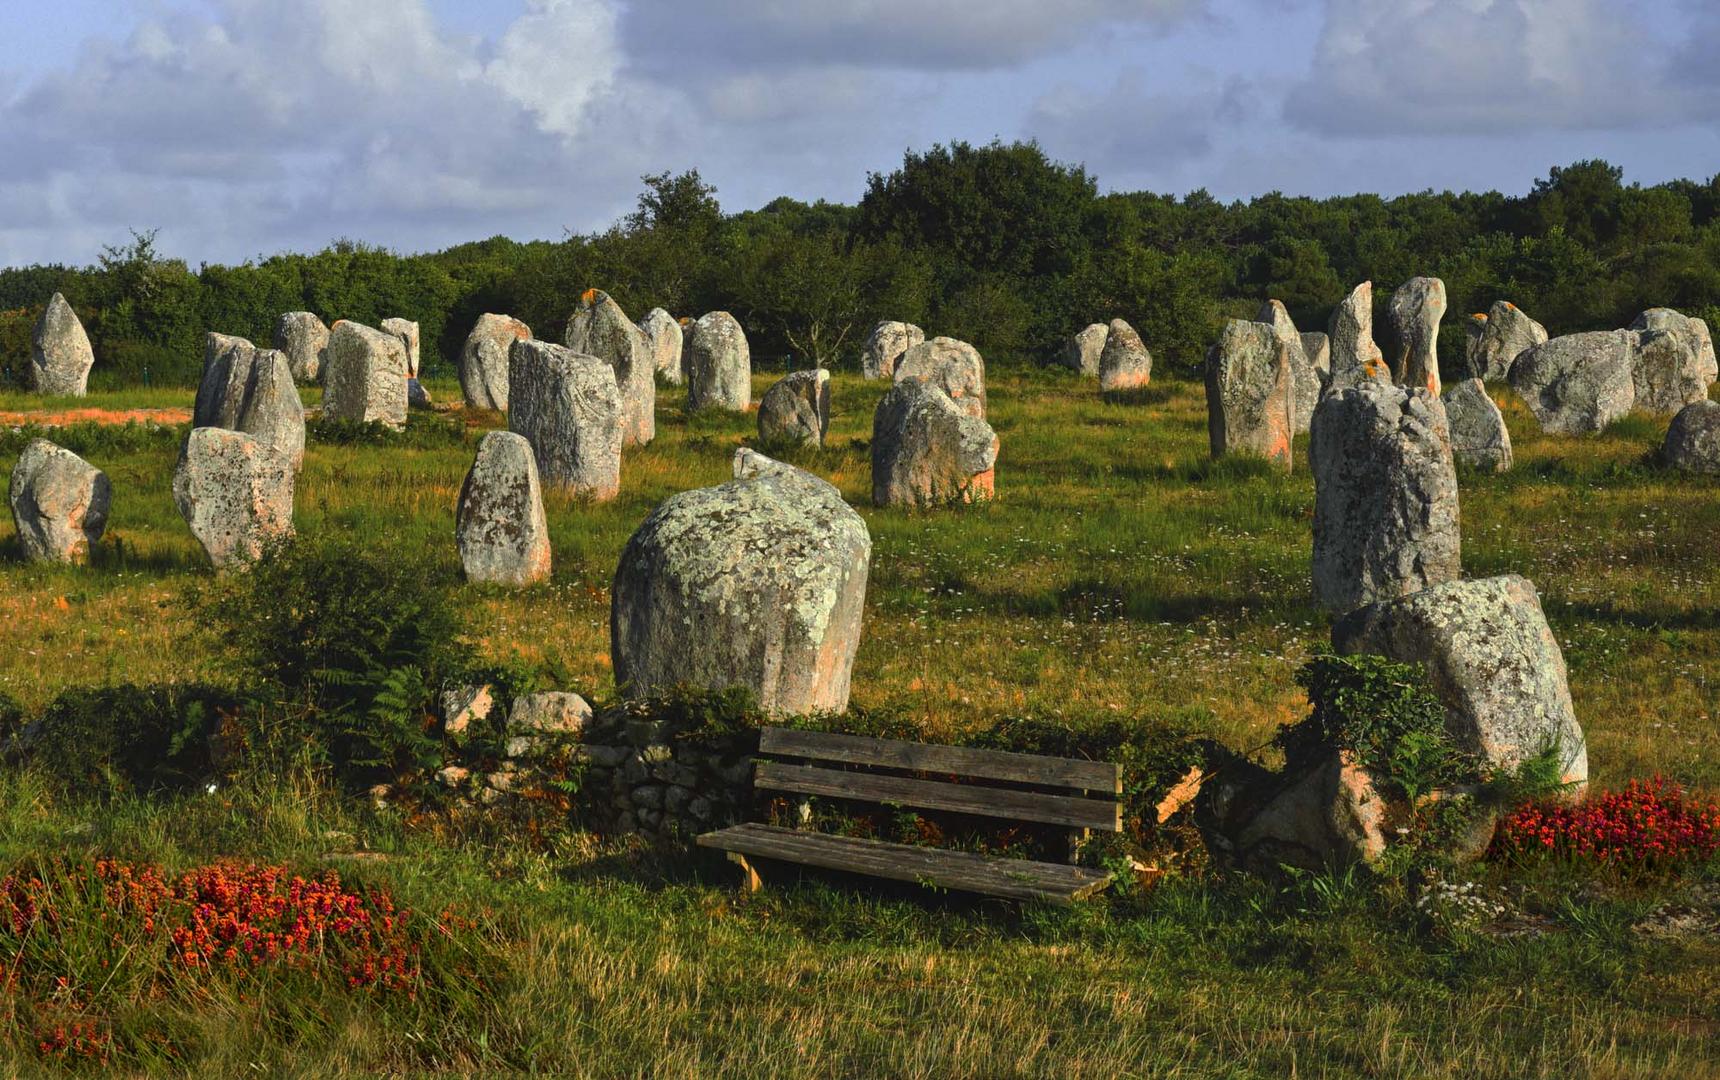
x=953 y=366
x=484 y=360
x=1385 y=495
x=569 y=407
x=1317 y=347
x=600 y=328
x=1579 y=383
x=758 y=583
x=927 y=451
x=663 y=342
x=59 y=503
x=235 y=493
x=499 y=524
x=407 y=331
x=796 y=409
x=718 y=364
x=1479 y=437
x=1497 y=338
x=1356 y=359
x=1082 y=351
x=1417 y=307
x=1124 y=363
x=1250 y=408
x=247 y=389
x=1304 y=379
x=1672 y=364
x=227 y=364
x=364 y=375
x=60 y=353
x=304 y=339
x=888 y=341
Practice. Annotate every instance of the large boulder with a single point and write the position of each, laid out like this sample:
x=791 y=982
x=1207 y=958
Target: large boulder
x=927 y=451
x=569 y=407
x=1355 y=357
x=60 y=353
x=888 y=342
x=796 y=409
x=484 y=360
x=1479 y=437
x=364 y=375
x=235 y=493
x=600 y=328
x=59 y=503
x=304 y=338
x=1492 y=660
x=499 y=524
x=1125 y=363
x=407 y=331
x=1673 y=364
x=955 y=367
x=1693 y=438
x=718 y=364
x=1082 y=351
x=1416 y=308
x=1250 y=402
x=1327 y=813
x=663 y=342
x=1579 y=383
x=758 y=583
x=1385 y=495
x=1305 y=383
x=1497 y=338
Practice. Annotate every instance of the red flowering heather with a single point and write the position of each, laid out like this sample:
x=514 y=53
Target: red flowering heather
x=1649 y=824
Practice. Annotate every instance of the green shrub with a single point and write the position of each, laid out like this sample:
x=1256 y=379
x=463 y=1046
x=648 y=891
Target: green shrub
x=420 y=433
x=129 y=738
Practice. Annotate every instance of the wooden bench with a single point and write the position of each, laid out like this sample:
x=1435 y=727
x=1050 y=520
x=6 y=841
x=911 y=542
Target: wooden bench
x=1073 y=794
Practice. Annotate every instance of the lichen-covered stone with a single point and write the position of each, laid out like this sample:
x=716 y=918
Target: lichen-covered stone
x=252 y=390
x=600 y=328
x=407 y=331
x=1355 y=357
x=1673 y=363
x=227 y=363
x=1497 y=338
x=1491 y=659
x=1124 y=364
x=663 y=342
x=235 y=493
x=718 y=364
x=1579 y=383
x=59 y=503
x=499 y=524
x=955 y=367
x=1693 y=438
x=1082 y=351
x=927 y=451
x=60 y=353
x=758 y=583
x=1479 y=437
x=796 y=409
x=364 y=375
x=1385 y=495
x=1324 y=814
x=888 y=341
x=1249 y=393
x=549 y=712
x=304 y=339
x=569 y=407
x=1317 y=347
x=1416 y=308
x=484 y=360
x=1304 y=379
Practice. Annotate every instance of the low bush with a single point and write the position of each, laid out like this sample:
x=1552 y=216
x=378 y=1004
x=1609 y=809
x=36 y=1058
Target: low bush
x=128 y=738
x=420 y=433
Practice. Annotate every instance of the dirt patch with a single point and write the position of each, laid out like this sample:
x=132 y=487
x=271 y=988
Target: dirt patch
x=63 y=417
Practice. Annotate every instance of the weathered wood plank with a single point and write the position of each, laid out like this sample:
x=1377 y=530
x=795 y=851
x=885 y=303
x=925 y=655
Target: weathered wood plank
x=936 y=795
x=958 y=760
x=963 y=871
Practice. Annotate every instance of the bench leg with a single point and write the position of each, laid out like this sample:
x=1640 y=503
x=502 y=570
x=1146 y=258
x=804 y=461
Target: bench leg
x=750 y=881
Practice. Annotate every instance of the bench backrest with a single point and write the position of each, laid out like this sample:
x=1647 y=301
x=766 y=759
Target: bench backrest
x=994 y=783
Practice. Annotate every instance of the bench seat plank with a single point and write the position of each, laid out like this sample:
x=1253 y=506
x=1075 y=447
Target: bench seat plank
x=1016 y=879
x=1078 y=813
x=956 y=760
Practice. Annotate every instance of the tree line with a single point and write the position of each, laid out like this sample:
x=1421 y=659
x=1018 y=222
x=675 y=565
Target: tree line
x=997 y=244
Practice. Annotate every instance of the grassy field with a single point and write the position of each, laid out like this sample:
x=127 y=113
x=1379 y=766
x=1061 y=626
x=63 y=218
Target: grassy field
x=1118 y=572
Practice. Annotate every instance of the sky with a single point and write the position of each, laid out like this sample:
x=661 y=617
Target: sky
x=243 y=128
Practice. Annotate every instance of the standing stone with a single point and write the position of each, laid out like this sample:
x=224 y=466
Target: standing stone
x=1673 y=363
x=601 y=329
x=758 y=583
x=1125 y=363
x=484 y=360
x=235 y=493
x=953 y=366
x=1249 y=403
x=407 y=331
x=927 y=451
x=1497 y=338
x=499 y=524
x=1082 y=351
x=885 y=347
x=1491 y=659
x=1356 y=359
x=1416 y=308
x=1693 y=438
x=1304 y=380
x=304 y=338
x=663 y=342
x=1385 y=495
x=569 y=407
x=59 y=503
x=1479 y=437
x=364 y=375
x=270 y=410
x=227 y=364
x=1317 y=347
x=1579 y=383
x=796 y=409
x=60 y=353
x=718 y=364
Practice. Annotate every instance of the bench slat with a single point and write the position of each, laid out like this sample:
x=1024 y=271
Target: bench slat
x=1016 y=879
x=991 y=802
x=929 y=757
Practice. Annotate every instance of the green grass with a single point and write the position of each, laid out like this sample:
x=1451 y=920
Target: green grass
x=1120 y=571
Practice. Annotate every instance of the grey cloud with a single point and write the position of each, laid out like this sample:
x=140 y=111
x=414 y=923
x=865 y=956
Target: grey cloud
x=1131 y=129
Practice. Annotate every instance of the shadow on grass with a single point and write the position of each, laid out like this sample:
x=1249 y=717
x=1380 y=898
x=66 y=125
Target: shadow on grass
x=1230 y=467
x=1154 y=394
